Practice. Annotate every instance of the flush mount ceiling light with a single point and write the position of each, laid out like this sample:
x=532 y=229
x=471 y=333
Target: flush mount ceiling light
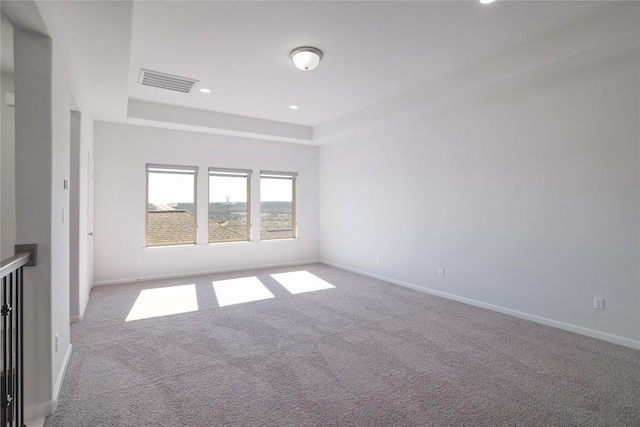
x=205 y=90
x=306 y=58
x=487 y=1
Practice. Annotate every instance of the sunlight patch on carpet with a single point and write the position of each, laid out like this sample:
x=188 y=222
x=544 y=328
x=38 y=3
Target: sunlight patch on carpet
x=298 y=282
x=238 y=291
x=163 y=302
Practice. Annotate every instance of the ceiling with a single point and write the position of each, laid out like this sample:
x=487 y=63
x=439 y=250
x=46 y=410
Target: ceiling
x=239 y=50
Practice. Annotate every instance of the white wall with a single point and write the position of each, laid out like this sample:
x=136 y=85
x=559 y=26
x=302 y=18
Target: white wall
x=7 y=169
x=74 y=217
x=81 y=280
x=60 y=213
x=44 y=83
x=42 y=207
x=85 y=249
x=121 y=153
x=528 y=198
x=66 y=86
x=33 y=153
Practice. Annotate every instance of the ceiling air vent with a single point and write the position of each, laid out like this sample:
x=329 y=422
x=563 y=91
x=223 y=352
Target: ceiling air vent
x=166 y=81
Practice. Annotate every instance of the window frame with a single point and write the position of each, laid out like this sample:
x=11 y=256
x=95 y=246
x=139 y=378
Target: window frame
x=229 y=172
x=293 y=176
x=178 y=170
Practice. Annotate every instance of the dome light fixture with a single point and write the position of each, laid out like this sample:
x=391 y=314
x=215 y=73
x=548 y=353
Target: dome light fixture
x=487 y=1
x=306 y=58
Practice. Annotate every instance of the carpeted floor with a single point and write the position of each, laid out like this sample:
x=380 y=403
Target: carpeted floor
x=366 y=353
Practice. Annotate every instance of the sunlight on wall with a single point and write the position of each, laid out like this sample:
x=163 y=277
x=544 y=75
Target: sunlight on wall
x=298 y=282
x=237 y=291
x=163 y=302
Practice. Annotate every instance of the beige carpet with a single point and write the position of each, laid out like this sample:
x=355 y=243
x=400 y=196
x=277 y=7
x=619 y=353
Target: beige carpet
x=365 y=353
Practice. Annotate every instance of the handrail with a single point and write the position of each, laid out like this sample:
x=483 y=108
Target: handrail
x=12 y=334
x=10 y=265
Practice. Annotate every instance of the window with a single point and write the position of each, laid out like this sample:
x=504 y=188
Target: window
x=277 y=205
x=229 y=210
x=171 y=205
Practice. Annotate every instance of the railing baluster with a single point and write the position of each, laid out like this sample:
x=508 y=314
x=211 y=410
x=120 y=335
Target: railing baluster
x=12 y=339
x=4 y=352
x=19 y=351
x=17 y=381
x=10 y=380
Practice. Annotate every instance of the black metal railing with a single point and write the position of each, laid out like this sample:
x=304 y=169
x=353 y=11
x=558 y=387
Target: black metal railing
x=11 y=323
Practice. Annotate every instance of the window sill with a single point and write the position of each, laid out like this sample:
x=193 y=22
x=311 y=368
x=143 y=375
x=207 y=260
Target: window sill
x=169 y=247
x=235 y=242
x=217 y=244
x=285 y=239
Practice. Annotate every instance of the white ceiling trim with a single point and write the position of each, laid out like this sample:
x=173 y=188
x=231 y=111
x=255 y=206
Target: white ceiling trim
x=25 y=16
x=606 y=33
x=618 y=23
x=228 y=124
x=536 y=57
x=625 y=49
x=84 y=22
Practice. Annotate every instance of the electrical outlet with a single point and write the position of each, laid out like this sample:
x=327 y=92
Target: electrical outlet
x=137 y=261
x=441 y=273
x=56 y=343
x=377 y=258
x=598 y=303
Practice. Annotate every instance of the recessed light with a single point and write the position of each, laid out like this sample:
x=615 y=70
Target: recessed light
x=205 y=90
x=487 y=1
x=293 y=107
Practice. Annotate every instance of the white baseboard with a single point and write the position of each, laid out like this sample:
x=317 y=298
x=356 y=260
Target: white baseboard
x=60 y=379
x=616 y=339
x=75 y=319
x=36 y=413
x=201 y=273
x=35 y=423
x=83 y=304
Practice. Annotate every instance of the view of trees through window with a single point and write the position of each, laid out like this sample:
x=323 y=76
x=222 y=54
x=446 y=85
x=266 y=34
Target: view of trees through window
x=171 y=216
x=277 y=210
x=228 y=206
x=171 y=205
